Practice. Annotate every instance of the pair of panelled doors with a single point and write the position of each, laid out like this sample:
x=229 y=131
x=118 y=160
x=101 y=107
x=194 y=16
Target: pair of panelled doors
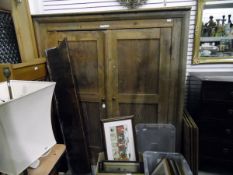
x=123 y=71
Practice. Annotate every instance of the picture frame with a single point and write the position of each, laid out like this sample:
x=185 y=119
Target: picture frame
x=121 y=167
x=119 y=138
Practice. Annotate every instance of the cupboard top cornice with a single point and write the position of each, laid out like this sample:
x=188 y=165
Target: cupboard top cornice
x=115 y=15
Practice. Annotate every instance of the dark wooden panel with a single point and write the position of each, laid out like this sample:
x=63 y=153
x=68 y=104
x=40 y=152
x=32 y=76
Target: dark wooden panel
x=68 y=109
x=91 y=113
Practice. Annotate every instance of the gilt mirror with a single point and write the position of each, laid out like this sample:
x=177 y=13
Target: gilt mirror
x=213 y=41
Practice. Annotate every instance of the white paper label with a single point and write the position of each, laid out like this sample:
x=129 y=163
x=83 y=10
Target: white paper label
x=103 y=105
x=104 y=26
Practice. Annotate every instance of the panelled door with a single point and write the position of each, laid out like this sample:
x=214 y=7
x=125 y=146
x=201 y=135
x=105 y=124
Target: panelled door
x=87 y=57
x=138 y=71
x=86 y=50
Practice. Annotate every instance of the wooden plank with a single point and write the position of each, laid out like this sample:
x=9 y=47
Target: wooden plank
x=174 y=61
x=164 y=79
x=129 y=24
x=113 y=67
x=109 y=70
x=24 y=30
x=47 y=163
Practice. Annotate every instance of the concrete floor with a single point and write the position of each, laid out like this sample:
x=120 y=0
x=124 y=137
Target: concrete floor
x=207 y=171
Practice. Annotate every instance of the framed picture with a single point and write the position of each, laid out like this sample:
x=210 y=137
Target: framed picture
x=119 y=138
x=121 y=167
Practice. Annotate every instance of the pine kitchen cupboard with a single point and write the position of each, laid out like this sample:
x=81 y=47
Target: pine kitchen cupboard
x=126 y=62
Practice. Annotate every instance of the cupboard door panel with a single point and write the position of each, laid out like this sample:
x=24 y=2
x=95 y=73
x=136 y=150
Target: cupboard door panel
x=85 y=58
x=141 y=62
x=141 y=76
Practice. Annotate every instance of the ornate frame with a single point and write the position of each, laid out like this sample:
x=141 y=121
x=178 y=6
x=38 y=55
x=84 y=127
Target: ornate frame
x=131 y=4
x=196 y=58
x=119 y=137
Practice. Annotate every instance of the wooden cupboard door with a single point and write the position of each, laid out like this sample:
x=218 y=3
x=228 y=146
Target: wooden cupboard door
x=86 y=50
x=139 y=73
x=87 y=55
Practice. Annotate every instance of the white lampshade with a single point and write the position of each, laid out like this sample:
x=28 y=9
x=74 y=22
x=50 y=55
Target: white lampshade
x=25 y=124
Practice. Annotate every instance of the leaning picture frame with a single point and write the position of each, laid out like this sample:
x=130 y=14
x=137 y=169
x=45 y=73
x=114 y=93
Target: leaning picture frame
x=111 y=166
x=119 y=138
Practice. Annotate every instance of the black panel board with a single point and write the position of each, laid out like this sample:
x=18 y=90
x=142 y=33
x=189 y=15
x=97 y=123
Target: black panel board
x=68 y=109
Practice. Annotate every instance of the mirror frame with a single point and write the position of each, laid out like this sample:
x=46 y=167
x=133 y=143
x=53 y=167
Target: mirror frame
x=197 y=34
